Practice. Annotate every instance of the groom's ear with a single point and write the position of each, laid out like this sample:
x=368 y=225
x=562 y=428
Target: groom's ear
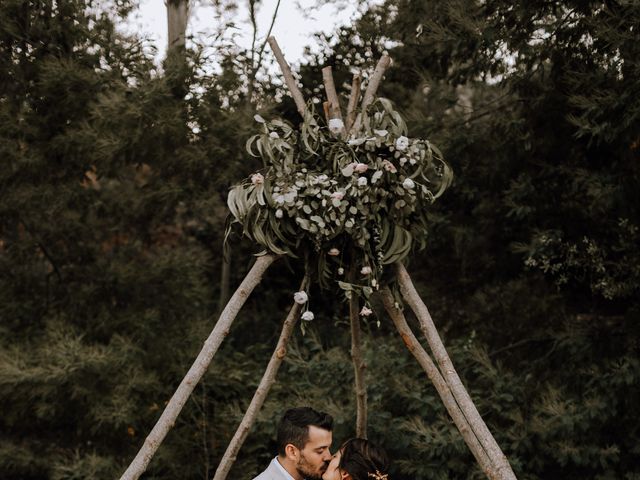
x=345 y=476
x=291 y=451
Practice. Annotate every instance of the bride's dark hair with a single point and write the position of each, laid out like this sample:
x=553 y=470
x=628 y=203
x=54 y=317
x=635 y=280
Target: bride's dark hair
x=363 y=460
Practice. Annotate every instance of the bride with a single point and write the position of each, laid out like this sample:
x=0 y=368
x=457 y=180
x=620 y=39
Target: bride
x=358 y=459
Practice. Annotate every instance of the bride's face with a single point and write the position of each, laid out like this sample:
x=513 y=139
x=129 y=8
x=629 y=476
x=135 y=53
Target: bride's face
x=333 y=472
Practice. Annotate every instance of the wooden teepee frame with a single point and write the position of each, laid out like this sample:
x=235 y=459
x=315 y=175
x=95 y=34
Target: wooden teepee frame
x=441 y=372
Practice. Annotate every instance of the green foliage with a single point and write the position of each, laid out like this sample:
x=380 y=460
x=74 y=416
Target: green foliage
x=321 y=195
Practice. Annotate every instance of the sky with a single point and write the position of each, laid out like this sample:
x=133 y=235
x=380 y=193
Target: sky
x=293 y=29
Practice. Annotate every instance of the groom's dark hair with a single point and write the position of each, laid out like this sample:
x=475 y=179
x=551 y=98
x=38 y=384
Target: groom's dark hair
x=294 y=426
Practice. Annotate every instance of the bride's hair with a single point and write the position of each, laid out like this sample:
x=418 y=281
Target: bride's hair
x=363 y=460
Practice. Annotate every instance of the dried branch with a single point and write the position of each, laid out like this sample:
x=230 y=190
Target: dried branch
x=261 y=393
x=423 y=358
x=197 y=370
x=409 y=293
x=353 y=102
x=359 y=365
x=288 y=76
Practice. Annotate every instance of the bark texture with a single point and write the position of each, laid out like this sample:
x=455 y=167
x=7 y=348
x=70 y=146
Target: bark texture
x=359 y=365
x=288 y=77
x=352 y=106
x=177 y=18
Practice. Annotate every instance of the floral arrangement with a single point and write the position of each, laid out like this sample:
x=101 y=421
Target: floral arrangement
x=358 y=200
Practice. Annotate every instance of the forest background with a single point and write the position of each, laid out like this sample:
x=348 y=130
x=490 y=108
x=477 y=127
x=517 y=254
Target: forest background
x=112 y=212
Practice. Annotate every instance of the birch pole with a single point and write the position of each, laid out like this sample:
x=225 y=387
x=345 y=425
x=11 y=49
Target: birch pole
x=262 y=391
x=409 y=293
x=352 y=106
x=197 y=370
x=288 y=77
x=372 y=88
x=423 y=358
x=357 y=358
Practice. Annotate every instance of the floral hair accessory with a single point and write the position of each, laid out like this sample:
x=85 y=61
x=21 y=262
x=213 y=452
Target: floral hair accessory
x=378 y=476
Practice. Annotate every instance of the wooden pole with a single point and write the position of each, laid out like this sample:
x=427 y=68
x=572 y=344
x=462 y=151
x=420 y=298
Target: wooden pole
x=372 y=88
x=197 y=370
x=409 y=293
x=288 y=77
x=423 y=358
x=359 y=364
x=332 y=97
x=268 y=379
x=353 y=102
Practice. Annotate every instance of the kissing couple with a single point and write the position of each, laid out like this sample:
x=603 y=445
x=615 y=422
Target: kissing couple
x=304 y=452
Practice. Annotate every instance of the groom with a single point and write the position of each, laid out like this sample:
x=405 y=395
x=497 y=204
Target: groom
x=304 y=439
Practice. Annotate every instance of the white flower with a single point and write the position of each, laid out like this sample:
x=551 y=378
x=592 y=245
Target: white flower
x=366 y=311
x=334 y=252
x=274 y=135
x=279 y=213
x=403 y=160
x=341 y=271
x=366 y=270
x=402 y=143
x=290 y=196
x=337 y=195
x=381 y=133
x=412 y=161
x=362 y=182
x=389 y=167
x=279 y=199
x=408 y=183
x=257 y=179
x=307 y=316
x=361 y=167
x=300 y=297
x=335 y=125
x=258 y=118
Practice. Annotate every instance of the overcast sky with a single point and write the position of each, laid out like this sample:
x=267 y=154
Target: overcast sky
x=292 y=29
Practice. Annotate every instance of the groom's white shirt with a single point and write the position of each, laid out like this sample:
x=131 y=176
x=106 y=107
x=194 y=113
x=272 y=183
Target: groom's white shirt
x=274 y=471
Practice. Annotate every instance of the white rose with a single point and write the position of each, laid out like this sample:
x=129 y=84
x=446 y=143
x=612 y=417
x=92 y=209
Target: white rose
x=408 y=183
x=366 y=311
x=307 y=316
x=366 y=270
x=341 y=271
x=280 y=199
x=336 y=125
x=362 y=182
x=279 y=213
x=257 y=179
x=300 y=297
x=402 y=143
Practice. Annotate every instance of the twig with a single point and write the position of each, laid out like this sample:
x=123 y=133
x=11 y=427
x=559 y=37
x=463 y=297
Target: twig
x=197 y=370
x=409 y=293
x=423 y=358
x=288 y=76
x=359 y=365
x=255 y=66
x=268 y=378
x=353 y=102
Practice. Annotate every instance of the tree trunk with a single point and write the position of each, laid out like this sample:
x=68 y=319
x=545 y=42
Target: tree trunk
x=197 y=370
x=177 y=17
x=261 y=393
x=409 y=293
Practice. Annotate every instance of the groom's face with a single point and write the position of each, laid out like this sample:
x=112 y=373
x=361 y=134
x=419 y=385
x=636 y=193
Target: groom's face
x=314 y=458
